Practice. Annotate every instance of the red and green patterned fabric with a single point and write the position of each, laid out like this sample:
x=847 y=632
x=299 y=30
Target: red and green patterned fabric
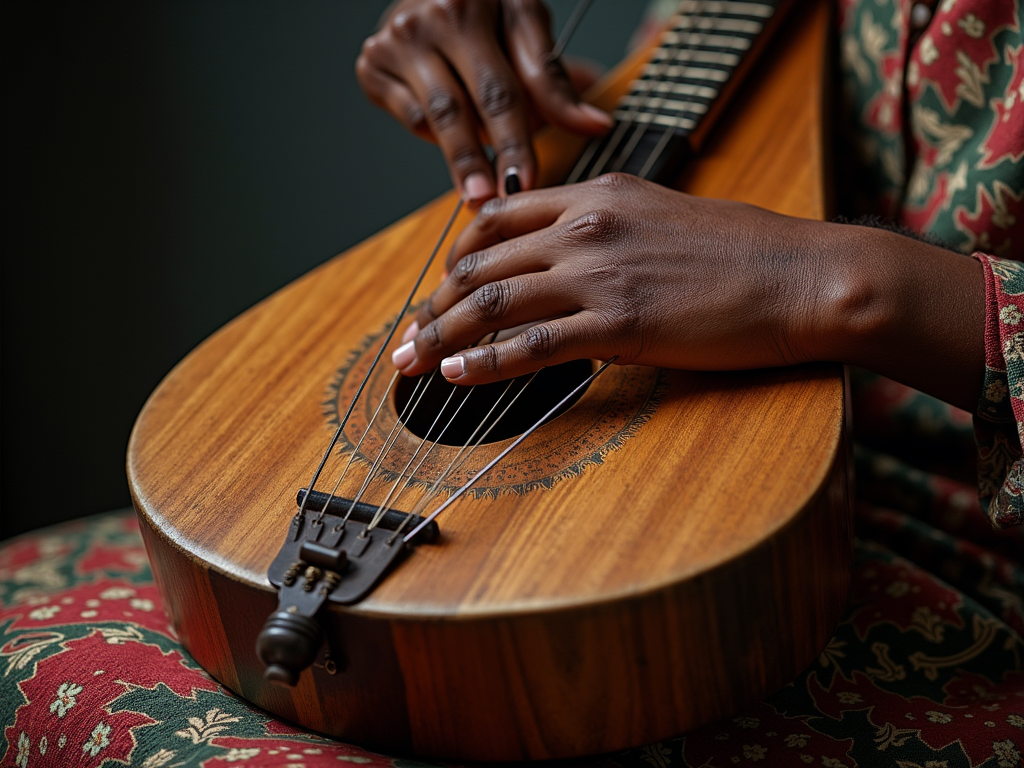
x=925 y=669
x=937 y=116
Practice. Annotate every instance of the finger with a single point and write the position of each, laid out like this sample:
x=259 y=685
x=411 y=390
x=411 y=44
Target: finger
x=557 y=341
x=501 y=106
x=389 y=93
x=528 y=37
x=493 y=307
x=524 y=255
x=508 y=218
x=450 y=117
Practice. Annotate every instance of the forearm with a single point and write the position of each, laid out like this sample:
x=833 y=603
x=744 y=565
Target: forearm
x=905 y=309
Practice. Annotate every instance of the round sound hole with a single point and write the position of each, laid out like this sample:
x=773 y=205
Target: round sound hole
x=485 y=404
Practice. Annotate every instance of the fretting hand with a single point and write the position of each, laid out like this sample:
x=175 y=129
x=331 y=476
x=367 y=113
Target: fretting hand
x=466 y=72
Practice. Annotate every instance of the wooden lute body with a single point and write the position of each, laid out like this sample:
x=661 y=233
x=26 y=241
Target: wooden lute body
x=673 y=547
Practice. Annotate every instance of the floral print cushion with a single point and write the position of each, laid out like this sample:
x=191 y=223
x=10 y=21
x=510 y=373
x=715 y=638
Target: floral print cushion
x=926 y=669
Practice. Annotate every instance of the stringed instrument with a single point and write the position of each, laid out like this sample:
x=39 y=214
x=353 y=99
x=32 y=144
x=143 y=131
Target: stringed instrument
x=668 y=548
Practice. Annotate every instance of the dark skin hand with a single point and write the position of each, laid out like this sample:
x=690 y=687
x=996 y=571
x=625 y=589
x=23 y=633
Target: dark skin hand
x=465 y=72
x=621 y=267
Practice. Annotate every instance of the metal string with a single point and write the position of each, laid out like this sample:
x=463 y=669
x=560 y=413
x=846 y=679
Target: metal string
x=692 y=36
x=658 y=100
x=542 y=420
x=359 y=444
x=366 y=431
x=432 y=491
x=392 y=437
x=574 y=20
x=405 y=307
x=379 y=514
x=601 y=166
x=578 y=12
x=422 y=503
x=653 y=103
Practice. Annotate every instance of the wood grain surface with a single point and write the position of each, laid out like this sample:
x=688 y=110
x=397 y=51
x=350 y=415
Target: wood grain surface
x=696 y=565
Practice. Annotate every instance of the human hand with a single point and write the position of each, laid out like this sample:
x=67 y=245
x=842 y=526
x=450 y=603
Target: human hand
x=621 y=266
x=465 y=72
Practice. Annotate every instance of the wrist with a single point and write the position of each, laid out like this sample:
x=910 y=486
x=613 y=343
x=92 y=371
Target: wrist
x=855 y=298
x=903 y=308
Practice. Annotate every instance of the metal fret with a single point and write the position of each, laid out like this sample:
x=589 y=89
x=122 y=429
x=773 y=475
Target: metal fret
x=693 y=73
x=707 y=41
x=702 y=57
x=719 y=7
x=705 y=44
x=719 y=24
x=674 y=105
x=641 y=87
x=669 y=121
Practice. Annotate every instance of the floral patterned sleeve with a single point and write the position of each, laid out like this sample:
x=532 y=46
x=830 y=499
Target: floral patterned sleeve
x=999 y=425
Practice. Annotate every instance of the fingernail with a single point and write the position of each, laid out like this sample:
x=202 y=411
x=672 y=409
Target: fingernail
x=411 y=331
x=596 y=114
x=453 y=367
x=477 y=186
x=404 y=355
x=444 y=275
x=512 y=184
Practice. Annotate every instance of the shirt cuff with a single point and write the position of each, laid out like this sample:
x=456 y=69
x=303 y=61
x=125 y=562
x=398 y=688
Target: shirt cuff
x=999 y=422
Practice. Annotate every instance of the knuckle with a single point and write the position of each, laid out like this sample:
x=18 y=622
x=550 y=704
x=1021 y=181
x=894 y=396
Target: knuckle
x=465 y=159
x=405 y=26
x=496 y=96
x=489 y=211
x=486 y=359
x=510 y=148
x=413 y=116
x=364 y=71
x=488 y=218
x=525 y=9
x=614 y=181
x=429 y=338
x=630 y=323
x=442 y=108
x=373 y=53
x=452 y=11
x=368 y=53
x=465 y=271
x=540 y=342
x=489 y=302
x=554 y=70
x=597 y=226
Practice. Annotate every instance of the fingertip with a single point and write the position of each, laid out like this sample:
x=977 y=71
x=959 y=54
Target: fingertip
x=404 y=356
x=453 y=367
x=513 y=183
x=598 y=117
x=410 y=332
x=477 y=188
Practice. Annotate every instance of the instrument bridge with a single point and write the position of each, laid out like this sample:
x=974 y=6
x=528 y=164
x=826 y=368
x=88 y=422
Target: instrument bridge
x=332 y=553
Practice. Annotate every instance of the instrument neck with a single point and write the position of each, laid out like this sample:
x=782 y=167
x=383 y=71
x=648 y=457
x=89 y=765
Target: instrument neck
x=668 y=110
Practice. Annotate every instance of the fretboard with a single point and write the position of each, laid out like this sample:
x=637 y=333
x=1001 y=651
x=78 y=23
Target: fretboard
x=699 y=59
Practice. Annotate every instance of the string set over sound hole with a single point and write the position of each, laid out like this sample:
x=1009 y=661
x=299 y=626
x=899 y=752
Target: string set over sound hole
x=610 y=410
x=473 y=410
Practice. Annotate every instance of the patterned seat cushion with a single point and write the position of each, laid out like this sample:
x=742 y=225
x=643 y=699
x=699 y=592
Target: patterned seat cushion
x=919 y=674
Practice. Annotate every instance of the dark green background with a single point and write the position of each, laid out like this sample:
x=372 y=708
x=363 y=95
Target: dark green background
x=166 y=165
